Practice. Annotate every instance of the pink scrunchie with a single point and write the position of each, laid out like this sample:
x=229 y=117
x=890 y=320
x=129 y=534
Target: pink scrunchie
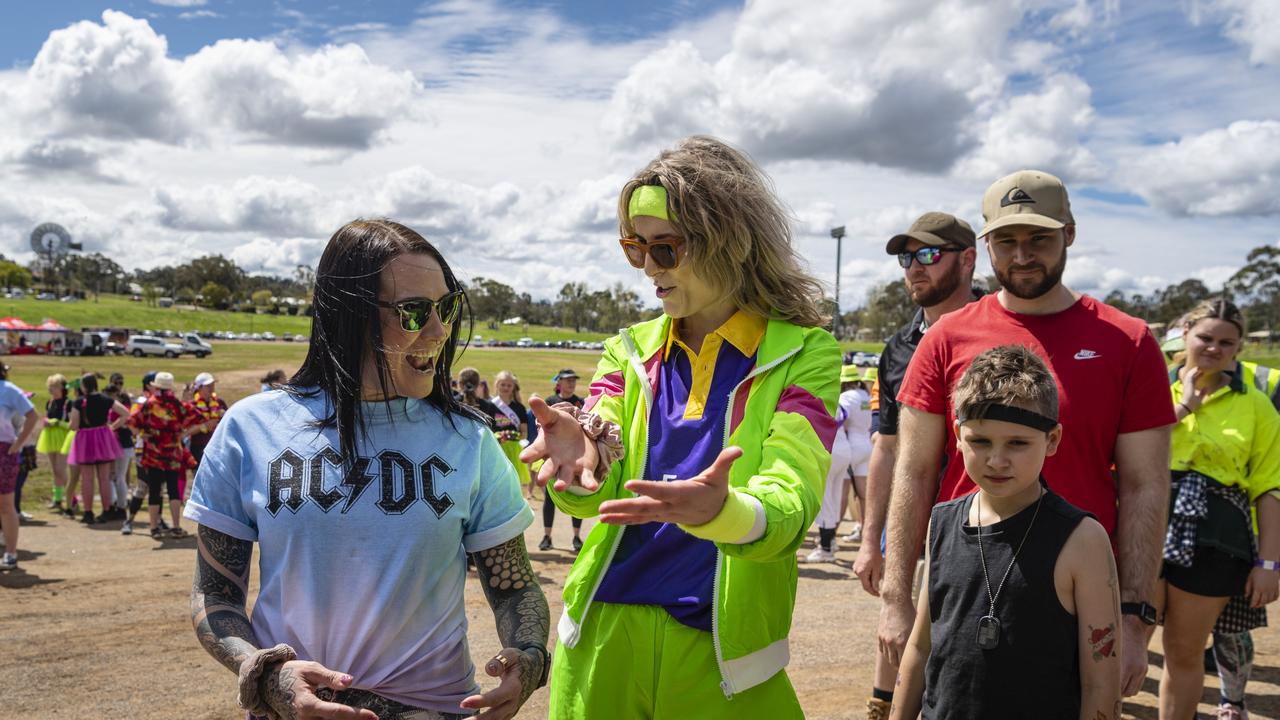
x=607 y=436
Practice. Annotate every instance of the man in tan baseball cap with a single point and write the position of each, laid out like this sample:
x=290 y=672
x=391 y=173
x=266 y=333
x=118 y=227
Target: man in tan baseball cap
x=1028 y=228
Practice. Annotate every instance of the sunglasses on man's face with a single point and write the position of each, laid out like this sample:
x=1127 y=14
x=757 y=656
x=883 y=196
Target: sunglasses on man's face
x=925 y=255
x=416 y=312
x=666 y=254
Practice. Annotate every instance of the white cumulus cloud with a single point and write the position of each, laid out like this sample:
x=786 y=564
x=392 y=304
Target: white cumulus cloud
x=116 y=80
x=1225 y=171
x=911 y=84
x=1253 y=23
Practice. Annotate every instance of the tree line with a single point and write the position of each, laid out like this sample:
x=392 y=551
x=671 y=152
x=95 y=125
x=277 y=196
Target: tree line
x=216 y=282
x=576 y=305
x=211 y=281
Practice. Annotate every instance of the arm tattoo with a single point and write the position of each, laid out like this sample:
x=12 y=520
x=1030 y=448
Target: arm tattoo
x=519 y=607
x=1103 y=641
x=218 y=597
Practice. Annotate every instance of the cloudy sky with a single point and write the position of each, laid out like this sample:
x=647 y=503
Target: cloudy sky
x=157 y=131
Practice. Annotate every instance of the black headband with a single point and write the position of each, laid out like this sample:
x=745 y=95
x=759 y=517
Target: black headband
x=1008 y=413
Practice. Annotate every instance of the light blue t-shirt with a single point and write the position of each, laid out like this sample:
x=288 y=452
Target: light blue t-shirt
x=363 y=570
x=12 y=402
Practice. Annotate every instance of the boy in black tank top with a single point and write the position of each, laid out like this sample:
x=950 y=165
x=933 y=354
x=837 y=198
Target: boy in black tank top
x=1019 y=610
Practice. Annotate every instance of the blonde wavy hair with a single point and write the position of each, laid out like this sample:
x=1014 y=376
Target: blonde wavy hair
x=737 y=233
x=56 y=379
x=1215 y=309
x=506 y=375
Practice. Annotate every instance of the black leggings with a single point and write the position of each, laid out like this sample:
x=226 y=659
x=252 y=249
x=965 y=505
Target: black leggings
x=549 y=515
x=155 y=479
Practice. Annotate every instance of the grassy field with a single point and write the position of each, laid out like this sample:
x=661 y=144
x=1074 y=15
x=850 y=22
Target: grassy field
x=536 y=332
x=120 y=311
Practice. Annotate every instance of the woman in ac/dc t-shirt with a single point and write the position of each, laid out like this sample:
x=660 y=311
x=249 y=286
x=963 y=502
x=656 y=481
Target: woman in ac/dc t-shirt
x=94 y=446
x=365 y=486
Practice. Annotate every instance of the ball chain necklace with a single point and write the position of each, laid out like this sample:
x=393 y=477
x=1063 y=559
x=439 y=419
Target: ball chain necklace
x=989 y=625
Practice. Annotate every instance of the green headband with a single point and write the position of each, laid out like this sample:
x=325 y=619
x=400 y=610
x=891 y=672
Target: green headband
x=649 y=200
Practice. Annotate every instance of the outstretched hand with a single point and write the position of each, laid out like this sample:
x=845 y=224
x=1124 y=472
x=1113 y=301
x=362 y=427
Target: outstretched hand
x=569 y=456
x=688 y=502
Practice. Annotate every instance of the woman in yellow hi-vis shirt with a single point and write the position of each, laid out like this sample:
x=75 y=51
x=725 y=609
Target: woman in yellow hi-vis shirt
x=1225 y=465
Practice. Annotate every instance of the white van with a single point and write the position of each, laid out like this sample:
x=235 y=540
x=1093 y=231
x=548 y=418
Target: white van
x=193 y=344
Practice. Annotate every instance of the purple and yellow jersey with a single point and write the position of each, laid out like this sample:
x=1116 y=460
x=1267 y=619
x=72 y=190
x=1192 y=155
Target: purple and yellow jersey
x=659 y=563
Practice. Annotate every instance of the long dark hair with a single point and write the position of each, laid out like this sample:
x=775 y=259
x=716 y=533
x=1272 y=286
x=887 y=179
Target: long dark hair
x=345 y=321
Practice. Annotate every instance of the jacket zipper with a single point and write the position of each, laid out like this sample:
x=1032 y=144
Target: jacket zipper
x=715 y=588
x=644 y=458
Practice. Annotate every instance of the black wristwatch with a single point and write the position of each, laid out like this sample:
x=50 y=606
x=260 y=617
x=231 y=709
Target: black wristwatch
x=1145 y=611
x=546 y=661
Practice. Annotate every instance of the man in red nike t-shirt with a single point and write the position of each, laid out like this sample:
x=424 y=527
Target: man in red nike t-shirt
x=1112 y=389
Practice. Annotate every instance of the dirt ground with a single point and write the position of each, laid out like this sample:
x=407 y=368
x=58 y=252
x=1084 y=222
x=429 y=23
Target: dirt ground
x=95 y=625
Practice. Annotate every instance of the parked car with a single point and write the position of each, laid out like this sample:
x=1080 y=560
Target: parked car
x=140 y=345
x=268 y=336
x=193 y=345
x=46 y=296
x=524 y=342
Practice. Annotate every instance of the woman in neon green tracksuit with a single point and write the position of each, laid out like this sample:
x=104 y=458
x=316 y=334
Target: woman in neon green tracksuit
x=703 y=448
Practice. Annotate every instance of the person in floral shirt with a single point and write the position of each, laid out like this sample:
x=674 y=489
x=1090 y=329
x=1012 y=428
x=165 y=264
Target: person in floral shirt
x=162 y=422
x=209 y=407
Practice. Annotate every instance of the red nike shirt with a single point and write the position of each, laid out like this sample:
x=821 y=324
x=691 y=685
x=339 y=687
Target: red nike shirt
x=1111 y=380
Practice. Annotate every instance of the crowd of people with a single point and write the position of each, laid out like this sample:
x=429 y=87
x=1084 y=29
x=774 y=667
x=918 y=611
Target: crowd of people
x=108 y=451
x=1039 y=483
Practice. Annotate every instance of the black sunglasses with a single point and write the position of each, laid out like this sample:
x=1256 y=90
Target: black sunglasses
x=415 y=312
x=925 y=255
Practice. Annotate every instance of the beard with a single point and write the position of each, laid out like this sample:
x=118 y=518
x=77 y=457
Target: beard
x=1030 y=289
x=938 y=291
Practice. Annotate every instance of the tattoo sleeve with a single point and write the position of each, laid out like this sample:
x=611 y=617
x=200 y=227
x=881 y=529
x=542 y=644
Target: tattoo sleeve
x=218 y=597
x=519 y=607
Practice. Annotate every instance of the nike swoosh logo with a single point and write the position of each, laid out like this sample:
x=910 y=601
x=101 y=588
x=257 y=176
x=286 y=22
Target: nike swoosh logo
x=1087 y=355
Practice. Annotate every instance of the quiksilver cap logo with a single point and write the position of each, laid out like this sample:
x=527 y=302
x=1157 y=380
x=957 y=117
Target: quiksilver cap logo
x=1016 y=196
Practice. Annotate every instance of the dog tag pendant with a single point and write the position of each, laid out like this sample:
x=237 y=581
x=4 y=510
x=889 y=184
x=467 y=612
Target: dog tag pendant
x=988 y=632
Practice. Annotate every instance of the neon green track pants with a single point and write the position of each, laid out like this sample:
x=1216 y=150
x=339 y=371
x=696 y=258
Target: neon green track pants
x=638 y=662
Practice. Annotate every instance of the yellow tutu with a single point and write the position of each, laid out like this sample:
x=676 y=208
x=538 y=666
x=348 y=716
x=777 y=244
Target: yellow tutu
x=511 y=449
x=54 y=438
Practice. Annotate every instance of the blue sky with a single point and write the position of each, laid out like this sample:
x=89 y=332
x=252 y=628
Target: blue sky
x=160 y=130
x=190 y=26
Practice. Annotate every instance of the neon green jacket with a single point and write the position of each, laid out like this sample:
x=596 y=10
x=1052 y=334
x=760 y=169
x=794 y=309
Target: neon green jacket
x=782 y=416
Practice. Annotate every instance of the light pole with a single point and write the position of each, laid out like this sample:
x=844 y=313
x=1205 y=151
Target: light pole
x=838 y=234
